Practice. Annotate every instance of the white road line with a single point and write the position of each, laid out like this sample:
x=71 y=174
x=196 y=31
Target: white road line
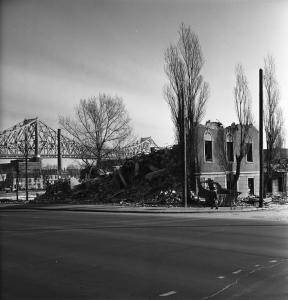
x=222 y=290
x=167 y=294
x=272 y=261
x=257 y=266
x=237 y=272
x=220 y=277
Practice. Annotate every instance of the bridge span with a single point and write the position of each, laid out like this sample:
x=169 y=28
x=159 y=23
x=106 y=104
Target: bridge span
x=34 y=138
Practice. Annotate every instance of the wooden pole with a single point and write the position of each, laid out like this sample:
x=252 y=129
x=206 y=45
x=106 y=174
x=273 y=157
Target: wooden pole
x=185 y=165
x=26 y=164
x=261 y=177
x=59 y=160
x=17 y=180
x=36 y=139
x=184 y=157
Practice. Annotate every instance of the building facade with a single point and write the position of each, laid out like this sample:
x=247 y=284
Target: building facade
x=217 y=148
x=14 y=173
x=278 y=183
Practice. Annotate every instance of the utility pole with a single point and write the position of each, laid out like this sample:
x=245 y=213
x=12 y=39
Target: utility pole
x=261 y=137
x=17 y=180
x=36 y=139
x=184 y=157
x=26 y=164
x=59 y=158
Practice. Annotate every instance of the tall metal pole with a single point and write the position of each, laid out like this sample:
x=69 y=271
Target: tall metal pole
x=261 y=138
x=17 y=180
x=59 y=165
x=184 y=158
x=26 y=164
x=36 y=138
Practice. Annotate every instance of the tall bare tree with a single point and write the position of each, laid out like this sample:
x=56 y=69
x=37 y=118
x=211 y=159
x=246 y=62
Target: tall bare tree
x=273 y=118
x=100 y=127
x=242 y=99
x=187 y=92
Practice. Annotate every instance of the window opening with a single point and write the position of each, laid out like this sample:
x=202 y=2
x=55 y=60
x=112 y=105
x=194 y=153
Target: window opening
x=229 y=148
x=249 y=151
x=208 y=146
x=251 y=186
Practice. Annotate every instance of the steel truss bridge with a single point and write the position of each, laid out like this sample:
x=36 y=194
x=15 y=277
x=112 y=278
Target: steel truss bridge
x=39 y=138
x=34 y=138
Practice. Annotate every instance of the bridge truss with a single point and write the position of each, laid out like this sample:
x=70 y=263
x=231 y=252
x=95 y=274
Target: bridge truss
x=39 y=138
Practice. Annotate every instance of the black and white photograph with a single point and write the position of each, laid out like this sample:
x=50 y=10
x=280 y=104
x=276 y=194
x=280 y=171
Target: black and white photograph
x=144 y=149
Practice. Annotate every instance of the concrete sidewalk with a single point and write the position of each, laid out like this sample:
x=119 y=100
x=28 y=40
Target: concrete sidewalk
x=131 y=209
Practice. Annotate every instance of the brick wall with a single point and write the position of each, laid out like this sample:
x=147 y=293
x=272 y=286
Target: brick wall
x=216 y=169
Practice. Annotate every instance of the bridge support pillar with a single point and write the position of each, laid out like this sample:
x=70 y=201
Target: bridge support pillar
x=59 y=156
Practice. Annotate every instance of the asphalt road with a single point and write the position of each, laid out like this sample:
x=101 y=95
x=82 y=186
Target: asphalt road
x=78 y=255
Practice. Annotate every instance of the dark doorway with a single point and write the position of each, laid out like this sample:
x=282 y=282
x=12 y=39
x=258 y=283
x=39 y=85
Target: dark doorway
x=251 y=186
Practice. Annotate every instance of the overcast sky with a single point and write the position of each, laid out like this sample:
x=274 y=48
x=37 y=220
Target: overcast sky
x=56 y=52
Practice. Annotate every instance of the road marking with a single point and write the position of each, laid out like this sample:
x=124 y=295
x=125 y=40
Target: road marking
x=167 y=294
x=220 y=277
x=237 y=272
x=272 y=261
x=257 y=266
x=222 y=290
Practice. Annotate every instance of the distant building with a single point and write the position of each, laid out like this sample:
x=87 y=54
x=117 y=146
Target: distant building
x=279 y=180
x=16 y=169
x=37 y=177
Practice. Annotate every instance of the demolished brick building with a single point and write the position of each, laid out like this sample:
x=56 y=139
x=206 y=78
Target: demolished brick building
x=217 y=147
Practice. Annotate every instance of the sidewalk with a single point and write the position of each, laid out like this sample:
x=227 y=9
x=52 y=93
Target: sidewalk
x=110 y=208
x=273 y=213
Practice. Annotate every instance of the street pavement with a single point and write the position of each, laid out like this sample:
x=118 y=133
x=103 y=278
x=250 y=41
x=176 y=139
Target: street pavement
x=62 y=254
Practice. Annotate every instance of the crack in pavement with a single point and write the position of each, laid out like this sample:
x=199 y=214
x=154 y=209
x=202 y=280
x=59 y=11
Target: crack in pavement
x=246 y=276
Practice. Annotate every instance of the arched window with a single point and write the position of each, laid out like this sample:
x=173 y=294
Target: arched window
x=229 y=147
x=208 y=146
x=249 y=150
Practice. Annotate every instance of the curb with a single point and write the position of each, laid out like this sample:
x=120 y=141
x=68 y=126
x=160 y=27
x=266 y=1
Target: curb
x=133 y=210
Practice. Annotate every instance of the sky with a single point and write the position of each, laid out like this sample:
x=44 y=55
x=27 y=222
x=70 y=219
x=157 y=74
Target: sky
x=56 y=52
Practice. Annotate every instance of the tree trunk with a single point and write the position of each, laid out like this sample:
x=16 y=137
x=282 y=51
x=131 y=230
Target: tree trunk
x=237 y=174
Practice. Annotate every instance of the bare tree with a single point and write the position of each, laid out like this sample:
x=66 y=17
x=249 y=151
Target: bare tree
x=244 y=115
x=186 y=92
x=273 y=118
x=221 y=150
x=101 y=125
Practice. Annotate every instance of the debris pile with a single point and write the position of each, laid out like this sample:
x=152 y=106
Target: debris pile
x=58 y=192
x=270 y=199
x=279 y=199
x=168 y=197
x=147 y=180
x=152 y=178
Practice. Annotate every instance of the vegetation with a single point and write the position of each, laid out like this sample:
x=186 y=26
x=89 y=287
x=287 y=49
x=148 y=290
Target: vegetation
x=186 y=92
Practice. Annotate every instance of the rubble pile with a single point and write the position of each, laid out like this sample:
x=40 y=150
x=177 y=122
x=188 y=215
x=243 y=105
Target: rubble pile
x=145 y=179
x=59 y=192
x=142 y=178
x=279 y=199
x=169 y=197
